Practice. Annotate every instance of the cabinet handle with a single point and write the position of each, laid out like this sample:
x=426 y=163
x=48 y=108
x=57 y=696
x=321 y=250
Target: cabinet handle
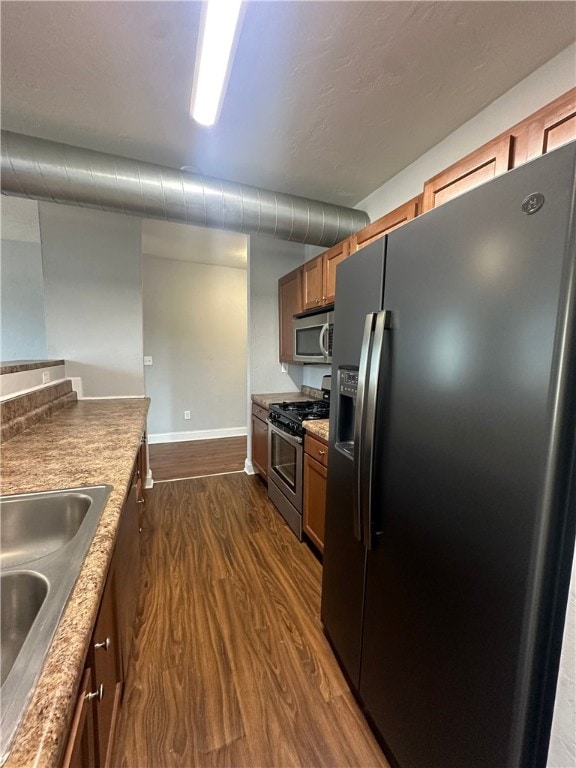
x=140 y=501
x=98 y=694
x=104 y=646
x=321 y=453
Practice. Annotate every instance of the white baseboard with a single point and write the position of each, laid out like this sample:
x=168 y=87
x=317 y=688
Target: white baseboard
x=199 y=434
x=249 y=467
x=77 y=386
x=113 y=397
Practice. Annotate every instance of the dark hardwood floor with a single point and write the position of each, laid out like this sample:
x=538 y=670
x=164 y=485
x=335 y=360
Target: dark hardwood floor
x=196 y=458
x=231 y=667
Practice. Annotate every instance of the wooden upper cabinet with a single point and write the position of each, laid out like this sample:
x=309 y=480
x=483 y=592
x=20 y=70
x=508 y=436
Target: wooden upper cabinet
x=476 y=168
x=549 y=128
x=386 y=224
x=289 y=304
x=312 y=281
x=319 y=275
x=331 y=259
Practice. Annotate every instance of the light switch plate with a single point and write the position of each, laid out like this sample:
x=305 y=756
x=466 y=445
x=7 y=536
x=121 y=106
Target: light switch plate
x=147 y=360
x=45 y=377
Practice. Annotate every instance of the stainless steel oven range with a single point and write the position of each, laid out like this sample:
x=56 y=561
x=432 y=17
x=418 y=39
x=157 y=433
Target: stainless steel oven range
x=285 y=456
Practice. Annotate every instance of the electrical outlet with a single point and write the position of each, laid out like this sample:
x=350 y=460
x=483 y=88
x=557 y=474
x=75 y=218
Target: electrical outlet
x=45 y=377
x=283 y=368
x=186 y=414
x=147 y=360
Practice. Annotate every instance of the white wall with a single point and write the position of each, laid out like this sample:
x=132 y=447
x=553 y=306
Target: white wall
x=544 y=85
x=195 y=330
x=268 y=260
x=93 y=297
x=562 y=752
x=22 y=322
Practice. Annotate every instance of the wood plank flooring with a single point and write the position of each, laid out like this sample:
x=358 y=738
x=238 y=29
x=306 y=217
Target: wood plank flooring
x=196 y=458
x=231 y=667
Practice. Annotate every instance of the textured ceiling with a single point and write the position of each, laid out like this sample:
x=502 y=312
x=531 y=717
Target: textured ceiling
x=325 y=99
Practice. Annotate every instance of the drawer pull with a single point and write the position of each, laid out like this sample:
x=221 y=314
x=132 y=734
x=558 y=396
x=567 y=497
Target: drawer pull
x=321 y=453
x=104 y=646
x=98 y=694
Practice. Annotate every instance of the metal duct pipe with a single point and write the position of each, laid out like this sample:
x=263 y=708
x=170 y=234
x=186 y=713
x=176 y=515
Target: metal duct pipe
x=47 y=170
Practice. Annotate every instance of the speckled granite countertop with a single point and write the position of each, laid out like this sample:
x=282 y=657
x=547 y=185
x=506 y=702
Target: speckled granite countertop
x=88 y=443
x=17 y=366
x=282 y=397
x=318 y=428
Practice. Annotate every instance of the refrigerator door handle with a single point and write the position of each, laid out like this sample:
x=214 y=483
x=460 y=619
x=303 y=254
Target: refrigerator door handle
x=383 y=322
x=359 y=424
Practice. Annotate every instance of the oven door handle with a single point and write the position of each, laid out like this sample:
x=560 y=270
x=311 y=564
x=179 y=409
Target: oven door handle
x=292 y=439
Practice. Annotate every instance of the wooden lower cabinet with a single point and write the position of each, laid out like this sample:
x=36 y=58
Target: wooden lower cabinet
x=126 y=571
x=81 y=748
x=260 y=440
x=104 y=657
x=315 y=474
x=91 y=738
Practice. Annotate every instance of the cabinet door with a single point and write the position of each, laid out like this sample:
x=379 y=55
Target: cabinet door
x=289 y=304
x=81 y=748
x=332 y=258
x=105 y=655
x=313 y=282
x=314 y=500
x=142 y=463
x=387 y=223
x=548 y=129
x=260 y=446
x=482 y=165
x=127 y=572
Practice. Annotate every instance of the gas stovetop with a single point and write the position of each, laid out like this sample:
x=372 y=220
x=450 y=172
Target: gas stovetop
x=290 y=416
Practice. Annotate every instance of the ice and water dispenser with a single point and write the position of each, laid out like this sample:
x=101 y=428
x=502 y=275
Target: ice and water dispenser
x=346 y=388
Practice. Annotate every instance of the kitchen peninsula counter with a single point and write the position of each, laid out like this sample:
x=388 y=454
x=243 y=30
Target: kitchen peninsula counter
x=88 y=443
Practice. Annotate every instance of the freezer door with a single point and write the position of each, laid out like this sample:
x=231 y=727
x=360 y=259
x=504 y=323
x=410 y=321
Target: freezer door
x=462 y=454
x=359 y=290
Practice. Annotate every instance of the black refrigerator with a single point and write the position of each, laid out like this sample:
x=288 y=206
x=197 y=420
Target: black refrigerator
x=451 y=501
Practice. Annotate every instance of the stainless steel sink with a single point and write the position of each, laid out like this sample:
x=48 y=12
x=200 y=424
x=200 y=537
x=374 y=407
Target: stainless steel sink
x=44 y=539
x=34 y=526
x=22 y=595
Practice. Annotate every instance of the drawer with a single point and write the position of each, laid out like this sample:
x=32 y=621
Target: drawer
x=259 y=412
x=317 y=449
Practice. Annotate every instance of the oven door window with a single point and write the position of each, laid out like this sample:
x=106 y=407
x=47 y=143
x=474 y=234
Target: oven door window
x=308 y=341
x=283 y=460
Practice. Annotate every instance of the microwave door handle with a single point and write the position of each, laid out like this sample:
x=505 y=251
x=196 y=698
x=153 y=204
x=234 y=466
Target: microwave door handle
x=382 y=323
x=323 y=333
x=359 y=425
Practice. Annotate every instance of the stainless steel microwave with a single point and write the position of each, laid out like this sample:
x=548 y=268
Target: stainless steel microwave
x=313 y=338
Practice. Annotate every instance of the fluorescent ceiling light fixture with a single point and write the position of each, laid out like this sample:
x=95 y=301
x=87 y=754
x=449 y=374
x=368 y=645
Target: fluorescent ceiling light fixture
x=218 y=35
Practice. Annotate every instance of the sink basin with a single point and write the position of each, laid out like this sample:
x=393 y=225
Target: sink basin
x=44 y=539
x=33 y=527
x=21 y=597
